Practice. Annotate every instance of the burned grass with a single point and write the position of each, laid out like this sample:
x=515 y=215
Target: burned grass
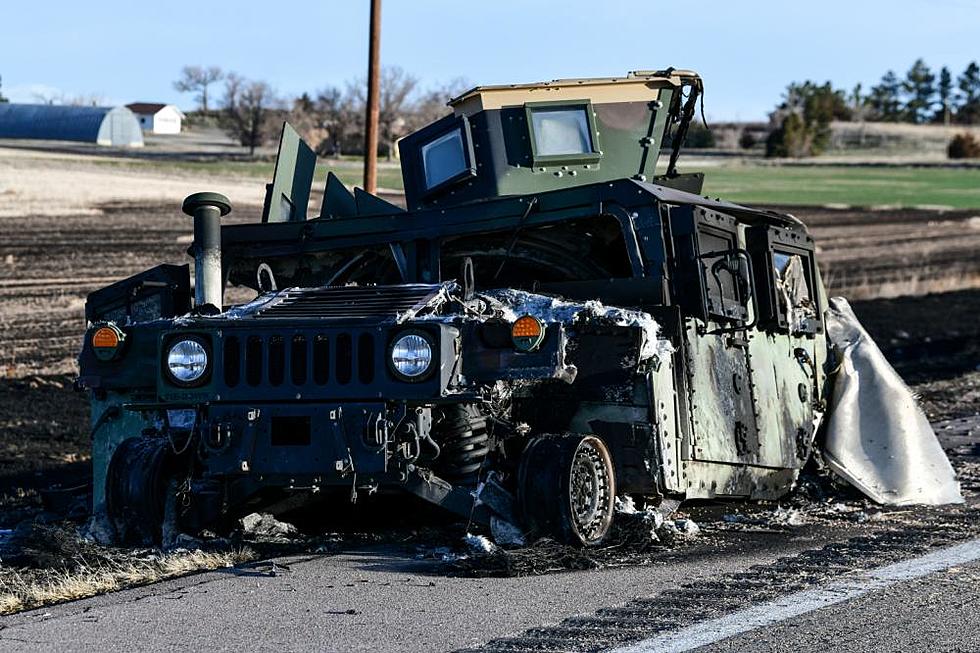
x=45 y=564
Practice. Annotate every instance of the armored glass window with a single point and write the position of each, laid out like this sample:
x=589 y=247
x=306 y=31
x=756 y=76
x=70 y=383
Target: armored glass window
x=561 y=131
x=444 y=158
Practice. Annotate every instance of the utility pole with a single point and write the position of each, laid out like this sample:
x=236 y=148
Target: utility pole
x=373 y=110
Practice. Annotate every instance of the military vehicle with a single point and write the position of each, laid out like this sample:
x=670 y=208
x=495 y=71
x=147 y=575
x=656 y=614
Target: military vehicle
x=549 y=324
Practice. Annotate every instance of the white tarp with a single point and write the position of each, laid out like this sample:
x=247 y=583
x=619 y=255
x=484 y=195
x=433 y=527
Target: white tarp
x=877 y=437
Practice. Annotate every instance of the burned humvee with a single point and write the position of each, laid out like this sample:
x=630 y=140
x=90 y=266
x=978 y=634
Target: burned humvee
x=548 y=325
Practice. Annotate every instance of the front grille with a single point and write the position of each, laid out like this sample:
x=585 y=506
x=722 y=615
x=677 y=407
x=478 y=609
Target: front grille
x=342 y=358
x=346 y=302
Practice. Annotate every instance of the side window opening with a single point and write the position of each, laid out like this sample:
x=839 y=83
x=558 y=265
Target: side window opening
x=361 y=266
x=727 y=296
x=794 y=301
x=586 y=250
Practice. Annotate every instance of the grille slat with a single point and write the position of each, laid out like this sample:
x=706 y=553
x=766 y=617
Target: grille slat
x=254 y=355
x=298 y=360
x=233 y=361
x=344 y=348
x=321 y=360
x=349 y=301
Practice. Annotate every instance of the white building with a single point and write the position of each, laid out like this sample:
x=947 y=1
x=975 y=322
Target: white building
x=157 y=118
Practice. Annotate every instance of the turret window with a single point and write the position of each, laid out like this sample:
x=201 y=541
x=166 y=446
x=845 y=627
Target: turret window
x=443 y=158
x=562 y=133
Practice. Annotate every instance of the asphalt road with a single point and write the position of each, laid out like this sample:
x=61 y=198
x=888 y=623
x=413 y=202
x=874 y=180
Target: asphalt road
x=375 y=599
x=938 y=612
x=384 y=599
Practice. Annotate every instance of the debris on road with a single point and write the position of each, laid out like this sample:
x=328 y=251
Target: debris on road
x=877 y=437
x=265 y=526
x=479 y=544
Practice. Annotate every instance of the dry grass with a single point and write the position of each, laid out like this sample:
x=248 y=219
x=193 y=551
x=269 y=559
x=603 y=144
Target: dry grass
x=55 y=566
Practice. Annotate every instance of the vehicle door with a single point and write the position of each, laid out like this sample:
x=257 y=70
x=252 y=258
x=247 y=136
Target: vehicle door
x=783 y=351
x=712 y=282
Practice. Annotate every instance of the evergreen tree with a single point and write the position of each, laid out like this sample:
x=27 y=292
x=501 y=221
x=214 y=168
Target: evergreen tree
x=857 y=102
x=945 y=90
x=2 y=98
x=968 y=97
x=804 y=119
x=885 y=99
x=920 y=89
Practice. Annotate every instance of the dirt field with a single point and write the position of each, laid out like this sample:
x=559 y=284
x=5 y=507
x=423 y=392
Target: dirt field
x=50 y=261
x=68 y=227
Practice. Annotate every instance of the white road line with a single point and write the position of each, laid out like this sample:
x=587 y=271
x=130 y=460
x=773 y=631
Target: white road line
x=794 y=605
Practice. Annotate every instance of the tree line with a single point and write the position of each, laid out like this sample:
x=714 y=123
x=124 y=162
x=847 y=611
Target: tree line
x=331 y=120
x=801 y=121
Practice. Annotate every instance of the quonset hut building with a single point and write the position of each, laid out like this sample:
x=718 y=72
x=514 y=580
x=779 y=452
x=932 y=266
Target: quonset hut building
x=111 y=126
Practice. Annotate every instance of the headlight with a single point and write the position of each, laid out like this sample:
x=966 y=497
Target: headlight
x=411 y=355
x=187 y=361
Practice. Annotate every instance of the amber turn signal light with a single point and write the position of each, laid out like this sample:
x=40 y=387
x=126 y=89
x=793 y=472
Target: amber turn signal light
x=527 y=333
x=106 y=341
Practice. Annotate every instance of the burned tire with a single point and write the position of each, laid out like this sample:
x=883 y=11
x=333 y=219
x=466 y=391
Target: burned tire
x=567 y=488
x=136 y=488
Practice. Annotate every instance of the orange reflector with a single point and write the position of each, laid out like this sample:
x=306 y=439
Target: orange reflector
x=526 y=327
x=106 y=338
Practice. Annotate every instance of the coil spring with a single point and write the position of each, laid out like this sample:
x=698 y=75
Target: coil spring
x=462 y=435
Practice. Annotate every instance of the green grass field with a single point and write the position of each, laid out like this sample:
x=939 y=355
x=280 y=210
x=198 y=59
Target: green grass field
x=857 y=186
x=756 y=184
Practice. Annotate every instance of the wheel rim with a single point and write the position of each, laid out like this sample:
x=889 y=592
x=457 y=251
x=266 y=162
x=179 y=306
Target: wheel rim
x=590 y=492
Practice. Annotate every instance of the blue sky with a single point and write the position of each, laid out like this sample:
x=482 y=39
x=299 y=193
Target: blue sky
x=746 y=50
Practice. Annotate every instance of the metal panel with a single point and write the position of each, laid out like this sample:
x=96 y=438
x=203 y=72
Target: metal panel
x=720 y=396
x=784 y=389
x=289 y=195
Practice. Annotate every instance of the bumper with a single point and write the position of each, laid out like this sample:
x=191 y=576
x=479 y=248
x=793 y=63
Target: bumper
x=300 y=444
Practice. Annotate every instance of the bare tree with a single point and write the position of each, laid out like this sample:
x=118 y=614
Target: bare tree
x=197 y=79
x=248 y=111
x=307 y=120
x=233 y=88
x=86 y=100
x=328 y=123
x=397 y=88
x=342 y=117
x=433 y=104
x=59 y=97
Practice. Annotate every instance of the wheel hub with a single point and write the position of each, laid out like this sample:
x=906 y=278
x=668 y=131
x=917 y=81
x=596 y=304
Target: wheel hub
x=589 y=490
